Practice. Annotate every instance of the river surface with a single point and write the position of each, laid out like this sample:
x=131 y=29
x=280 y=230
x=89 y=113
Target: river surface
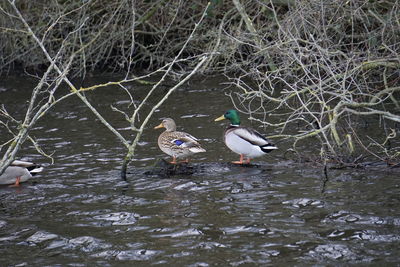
x=78 y=211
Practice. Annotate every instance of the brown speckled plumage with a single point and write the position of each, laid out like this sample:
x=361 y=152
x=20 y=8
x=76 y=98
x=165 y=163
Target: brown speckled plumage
x=177 y=144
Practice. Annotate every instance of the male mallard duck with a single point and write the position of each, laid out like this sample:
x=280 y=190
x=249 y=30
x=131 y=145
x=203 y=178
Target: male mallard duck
x=177 y=144
x=18 y=172
x=244 y=141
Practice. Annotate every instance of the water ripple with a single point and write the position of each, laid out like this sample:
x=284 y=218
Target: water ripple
x=128 y=255
x=41 y=236
x=118 y=218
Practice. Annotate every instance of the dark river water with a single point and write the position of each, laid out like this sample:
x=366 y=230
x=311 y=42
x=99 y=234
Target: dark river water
x=78 y=211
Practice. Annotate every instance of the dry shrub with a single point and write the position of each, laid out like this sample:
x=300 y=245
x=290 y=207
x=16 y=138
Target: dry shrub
x=310 y=69
x=331 y=68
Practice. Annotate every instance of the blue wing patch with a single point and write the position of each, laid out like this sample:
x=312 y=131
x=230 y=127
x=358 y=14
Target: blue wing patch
x=178 y=142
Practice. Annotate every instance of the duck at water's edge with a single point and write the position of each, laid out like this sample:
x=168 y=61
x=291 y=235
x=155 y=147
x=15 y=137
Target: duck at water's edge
x=245 y=141
x=177 y=144
x=18 y=172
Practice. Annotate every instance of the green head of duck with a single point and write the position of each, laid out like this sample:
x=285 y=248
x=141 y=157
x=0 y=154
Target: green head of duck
x=231 y=115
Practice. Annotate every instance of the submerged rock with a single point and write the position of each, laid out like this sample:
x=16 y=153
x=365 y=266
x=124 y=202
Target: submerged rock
x=163 y=168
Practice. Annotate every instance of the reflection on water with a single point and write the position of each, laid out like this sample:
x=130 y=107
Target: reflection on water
x=79 y=212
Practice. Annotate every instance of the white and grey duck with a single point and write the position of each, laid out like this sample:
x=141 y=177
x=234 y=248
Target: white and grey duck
x=177 y=144
x=245 y=141
x=18 y=172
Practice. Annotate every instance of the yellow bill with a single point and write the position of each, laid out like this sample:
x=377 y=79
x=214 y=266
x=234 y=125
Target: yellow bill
x=161 y=125
x=220 y=118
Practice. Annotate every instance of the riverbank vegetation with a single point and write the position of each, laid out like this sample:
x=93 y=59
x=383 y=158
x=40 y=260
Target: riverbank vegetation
x=305 y=69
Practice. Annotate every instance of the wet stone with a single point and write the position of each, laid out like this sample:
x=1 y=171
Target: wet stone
x=165 y=169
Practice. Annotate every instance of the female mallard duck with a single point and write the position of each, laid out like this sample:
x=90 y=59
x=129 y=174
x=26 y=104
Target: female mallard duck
x=244 y=141
x=18 y=172
x=177 y=144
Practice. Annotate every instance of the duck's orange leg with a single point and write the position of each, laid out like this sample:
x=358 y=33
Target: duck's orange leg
x=240 y=161
x=17 y=182
x=173 y=160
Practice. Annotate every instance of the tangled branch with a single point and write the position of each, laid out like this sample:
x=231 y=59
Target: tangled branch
x=336 y=66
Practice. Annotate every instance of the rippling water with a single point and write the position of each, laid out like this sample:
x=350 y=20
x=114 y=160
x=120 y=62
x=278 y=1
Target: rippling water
x=78 y=212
